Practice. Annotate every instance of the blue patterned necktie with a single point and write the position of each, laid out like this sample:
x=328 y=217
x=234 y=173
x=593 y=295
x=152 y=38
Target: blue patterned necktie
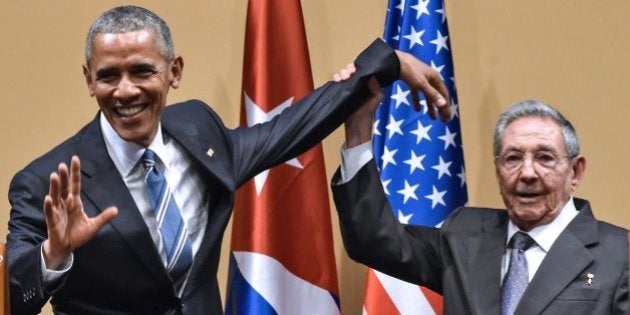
x=517 y=276
x=173 y=230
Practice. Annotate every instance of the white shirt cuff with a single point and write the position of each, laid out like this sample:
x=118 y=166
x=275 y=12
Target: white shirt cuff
x=353 y=159
x=51 y=275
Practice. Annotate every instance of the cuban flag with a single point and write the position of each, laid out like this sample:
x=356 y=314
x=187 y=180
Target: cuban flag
x=282 y=258
x=420 y=160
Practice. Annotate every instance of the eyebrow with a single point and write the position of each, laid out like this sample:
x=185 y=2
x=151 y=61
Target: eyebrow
x=140 y=66
x=103 y=72
x=539 y=148
x=106 y=71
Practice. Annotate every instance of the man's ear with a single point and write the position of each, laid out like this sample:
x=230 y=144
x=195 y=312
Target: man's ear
x=88 y=79
x=176 y=70
x=579 y=168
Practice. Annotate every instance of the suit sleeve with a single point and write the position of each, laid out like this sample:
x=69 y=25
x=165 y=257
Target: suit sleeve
x=372 y=235
x=27 y=229
x=312 y=118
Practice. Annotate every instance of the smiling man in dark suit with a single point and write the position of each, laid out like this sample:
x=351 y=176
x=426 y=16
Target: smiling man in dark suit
x=546 y=254
x=127 y=216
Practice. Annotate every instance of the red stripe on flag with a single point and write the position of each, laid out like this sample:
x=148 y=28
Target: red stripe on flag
x=377 y=300
x=434 y=299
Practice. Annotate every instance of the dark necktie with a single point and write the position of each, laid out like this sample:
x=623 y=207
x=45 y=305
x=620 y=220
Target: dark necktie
x=173 y=230
x=517 y=277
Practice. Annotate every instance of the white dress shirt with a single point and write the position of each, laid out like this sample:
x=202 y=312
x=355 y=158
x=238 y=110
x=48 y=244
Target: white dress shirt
x=189 y=190
x=353 y=159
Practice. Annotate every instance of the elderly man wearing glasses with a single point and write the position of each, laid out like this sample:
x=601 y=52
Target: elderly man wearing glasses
x=546 y=254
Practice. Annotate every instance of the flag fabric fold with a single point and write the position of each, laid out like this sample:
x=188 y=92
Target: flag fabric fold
x=282 y=256
x=420 y=160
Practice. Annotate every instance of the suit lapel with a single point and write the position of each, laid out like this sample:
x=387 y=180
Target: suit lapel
x=566 y=259
x=104 y=187
x=203 y=149
x=485 y=252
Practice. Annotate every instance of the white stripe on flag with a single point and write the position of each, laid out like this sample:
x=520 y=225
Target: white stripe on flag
x=287 y=293
x=406 y=296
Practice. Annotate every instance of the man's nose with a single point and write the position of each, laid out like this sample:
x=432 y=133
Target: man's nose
x=126 y=89
x=528 y=170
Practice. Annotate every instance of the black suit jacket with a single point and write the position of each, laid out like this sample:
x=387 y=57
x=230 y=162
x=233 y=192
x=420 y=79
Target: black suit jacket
x=119 y=271
x=462 y=259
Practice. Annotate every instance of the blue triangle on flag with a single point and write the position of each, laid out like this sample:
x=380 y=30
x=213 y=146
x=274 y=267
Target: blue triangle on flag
x=242 y=298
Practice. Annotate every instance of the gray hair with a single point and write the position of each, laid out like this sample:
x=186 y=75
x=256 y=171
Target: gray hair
x=128 y=19
x=533 y=108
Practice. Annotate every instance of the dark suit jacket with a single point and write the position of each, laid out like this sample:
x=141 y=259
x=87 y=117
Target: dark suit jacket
x=120 y=271
x=462 y=260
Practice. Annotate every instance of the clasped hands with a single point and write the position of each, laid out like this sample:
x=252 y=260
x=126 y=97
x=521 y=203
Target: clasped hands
x=418 y=76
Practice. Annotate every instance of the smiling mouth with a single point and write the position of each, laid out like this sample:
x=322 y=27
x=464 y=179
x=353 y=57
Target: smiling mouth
x=128 y=111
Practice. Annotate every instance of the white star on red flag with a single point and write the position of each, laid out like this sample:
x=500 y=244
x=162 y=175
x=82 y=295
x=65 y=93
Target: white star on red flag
x=255 y=115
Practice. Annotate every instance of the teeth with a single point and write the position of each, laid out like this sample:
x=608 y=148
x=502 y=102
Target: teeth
x=129 y=111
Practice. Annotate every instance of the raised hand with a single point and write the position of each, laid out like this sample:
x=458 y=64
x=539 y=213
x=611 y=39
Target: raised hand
x=417 y=75
x=68 y=225
x=422 y=78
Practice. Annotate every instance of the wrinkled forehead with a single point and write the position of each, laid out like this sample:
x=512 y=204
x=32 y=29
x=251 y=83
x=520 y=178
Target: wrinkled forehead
x=533 y=134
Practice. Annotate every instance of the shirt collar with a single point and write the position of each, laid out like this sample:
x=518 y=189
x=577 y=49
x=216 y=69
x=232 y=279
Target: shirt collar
x=545 y=235
x=125 y=154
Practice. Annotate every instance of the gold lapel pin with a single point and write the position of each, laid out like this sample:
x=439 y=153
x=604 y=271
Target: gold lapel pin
x=590 y=278
x=210 y=152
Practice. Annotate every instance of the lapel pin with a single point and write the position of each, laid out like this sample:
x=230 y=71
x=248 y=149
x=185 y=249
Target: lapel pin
x=590 y=278
x=210 y=152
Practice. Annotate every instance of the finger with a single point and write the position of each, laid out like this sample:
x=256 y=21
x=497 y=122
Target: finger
x=434 y=99
x=430 y=108
x=103 y=218
x=415 y=100
x=63 y=180
x=75 y=167
x=442 y=101
x=345 y=74
x=351 y=68
x=48 y=210
x=53 y=189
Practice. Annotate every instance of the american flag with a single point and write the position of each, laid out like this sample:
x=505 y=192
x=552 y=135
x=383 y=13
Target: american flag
x=421 y=160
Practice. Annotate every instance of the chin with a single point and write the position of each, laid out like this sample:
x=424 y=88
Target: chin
x=132 y=137
x=528 y=213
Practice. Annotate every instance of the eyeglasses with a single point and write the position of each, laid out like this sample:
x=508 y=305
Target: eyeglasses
x=514 y=160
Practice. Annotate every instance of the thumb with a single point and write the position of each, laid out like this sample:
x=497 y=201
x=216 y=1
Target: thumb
x=104 y=217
